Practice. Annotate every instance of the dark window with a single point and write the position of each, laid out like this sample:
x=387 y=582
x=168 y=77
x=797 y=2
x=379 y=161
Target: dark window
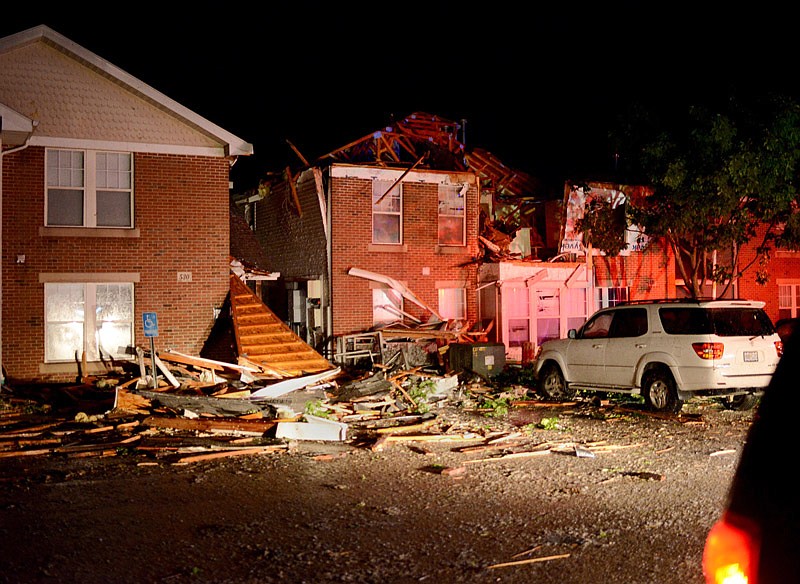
x=741 y=322
x=685 y=321
x=725 y=322
x=630 y=322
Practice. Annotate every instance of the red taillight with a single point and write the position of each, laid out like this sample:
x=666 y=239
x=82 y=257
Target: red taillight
x=779 y=348
x=731 y=554
x=709 y=350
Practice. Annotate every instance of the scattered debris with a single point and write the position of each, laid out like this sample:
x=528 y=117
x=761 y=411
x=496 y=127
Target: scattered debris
x=199 y=409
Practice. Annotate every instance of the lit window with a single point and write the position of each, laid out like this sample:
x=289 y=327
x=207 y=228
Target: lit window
x=89 y=189
x=452 y=213
x=387 y=212
x=387 y=306
x=453 y=303
x=87 y=318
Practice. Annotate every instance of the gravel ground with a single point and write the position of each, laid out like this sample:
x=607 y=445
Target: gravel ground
x=548 y=493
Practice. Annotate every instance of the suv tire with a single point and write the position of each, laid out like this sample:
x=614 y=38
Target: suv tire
x=740 y=403
x=658 y=390
x=552 y=385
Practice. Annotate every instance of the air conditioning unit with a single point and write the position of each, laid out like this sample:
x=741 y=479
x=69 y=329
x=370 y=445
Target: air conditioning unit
x=484 y=359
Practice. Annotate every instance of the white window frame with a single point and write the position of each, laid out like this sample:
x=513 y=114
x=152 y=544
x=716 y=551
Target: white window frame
x=453 y=303
x=87 y=322
x=611 y=296
x=452 y=207
x=387 y=205
x=789 y=298
x=98 y=175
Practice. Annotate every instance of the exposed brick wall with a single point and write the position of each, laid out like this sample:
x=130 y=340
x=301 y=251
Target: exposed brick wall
x=351 y=239
x=181 y=210
x=649 y=274
x=781 y=266
x=294 y=239
x=296 y=245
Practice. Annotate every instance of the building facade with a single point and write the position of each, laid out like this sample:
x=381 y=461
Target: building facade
x=115 y=203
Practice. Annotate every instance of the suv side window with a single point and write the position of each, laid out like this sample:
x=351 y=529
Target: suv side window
x=630 y=322
x=685 y=321
x=598 y=327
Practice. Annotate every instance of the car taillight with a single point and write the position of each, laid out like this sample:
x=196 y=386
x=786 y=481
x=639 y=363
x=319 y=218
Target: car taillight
x=730 y=555
x=709 y=350
x=779 y=348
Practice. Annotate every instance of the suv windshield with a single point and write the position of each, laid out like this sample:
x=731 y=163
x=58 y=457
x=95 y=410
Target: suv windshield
x=724 y=322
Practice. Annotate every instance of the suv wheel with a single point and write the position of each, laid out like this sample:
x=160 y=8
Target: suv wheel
x=552 y=385
x=658 y=390
x=740 y=403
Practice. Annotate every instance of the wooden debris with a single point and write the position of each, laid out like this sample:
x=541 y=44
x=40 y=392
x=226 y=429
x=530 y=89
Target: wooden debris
x=230 y=453
x=529 y=561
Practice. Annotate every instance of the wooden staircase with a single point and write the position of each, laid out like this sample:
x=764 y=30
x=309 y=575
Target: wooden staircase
x=261 y=337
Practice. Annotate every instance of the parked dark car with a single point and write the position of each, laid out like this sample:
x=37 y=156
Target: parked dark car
x=757 y=538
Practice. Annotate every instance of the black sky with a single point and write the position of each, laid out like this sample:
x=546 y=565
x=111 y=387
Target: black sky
x=538 y=87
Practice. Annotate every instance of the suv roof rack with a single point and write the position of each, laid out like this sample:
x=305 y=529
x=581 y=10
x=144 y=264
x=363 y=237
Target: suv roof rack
x=672 y=301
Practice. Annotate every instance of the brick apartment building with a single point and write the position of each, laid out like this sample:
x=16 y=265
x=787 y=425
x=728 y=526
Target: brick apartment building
x=115 y=202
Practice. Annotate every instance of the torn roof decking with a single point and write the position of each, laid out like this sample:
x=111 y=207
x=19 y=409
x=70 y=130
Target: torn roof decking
x=263 y=338
x=436 y=139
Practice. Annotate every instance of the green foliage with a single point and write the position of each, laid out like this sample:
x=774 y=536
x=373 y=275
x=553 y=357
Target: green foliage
x=496 y=407
x=603 y=226
x=316 y=408
x=722 y=176
x=550 y=424
x=421 y=393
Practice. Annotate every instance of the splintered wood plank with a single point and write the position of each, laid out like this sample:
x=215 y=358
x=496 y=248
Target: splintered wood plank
x=233 y=452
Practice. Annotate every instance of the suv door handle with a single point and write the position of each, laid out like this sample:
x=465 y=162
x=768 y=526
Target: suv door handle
x=641 y=345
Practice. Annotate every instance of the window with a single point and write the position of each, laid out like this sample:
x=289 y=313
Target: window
x=548 y=314
x=629 y=323
x=387 y=212
x=598 y=327
x=453 y=303
x=452 y=213
x=516 y=303
x=87 y=318
x=685 y=321
x=788 y=300
x=89 y=189
x=387 y=306
x=606 y=297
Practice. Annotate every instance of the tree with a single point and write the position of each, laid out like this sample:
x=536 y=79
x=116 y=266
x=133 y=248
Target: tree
x=720 y=178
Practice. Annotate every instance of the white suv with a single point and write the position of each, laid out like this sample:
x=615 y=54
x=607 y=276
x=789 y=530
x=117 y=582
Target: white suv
x=667 y=351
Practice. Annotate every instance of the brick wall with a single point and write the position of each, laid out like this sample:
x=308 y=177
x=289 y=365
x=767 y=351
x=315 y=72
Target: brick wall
x=293 y=238
x=648 y=274
x=296 y=246
x=783 y=266
x=181 y=210
x=351 y=242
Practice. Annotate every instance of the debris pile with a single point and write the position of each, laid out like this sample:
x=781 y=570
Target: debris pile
x=179 y=408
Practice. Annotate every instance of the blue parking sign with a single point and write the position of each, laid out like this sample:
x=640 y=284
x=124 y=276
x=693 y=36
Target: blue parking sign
x=150 y=321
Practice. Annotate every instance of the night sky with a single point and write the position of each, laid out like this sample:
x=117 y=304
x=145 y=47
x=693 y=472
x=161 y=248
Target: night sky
x=538 y=87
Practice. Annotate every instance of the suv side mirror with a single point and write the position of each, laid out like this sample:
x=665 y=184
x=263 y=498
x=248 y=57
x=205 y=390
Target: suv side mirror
x=572 y=334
